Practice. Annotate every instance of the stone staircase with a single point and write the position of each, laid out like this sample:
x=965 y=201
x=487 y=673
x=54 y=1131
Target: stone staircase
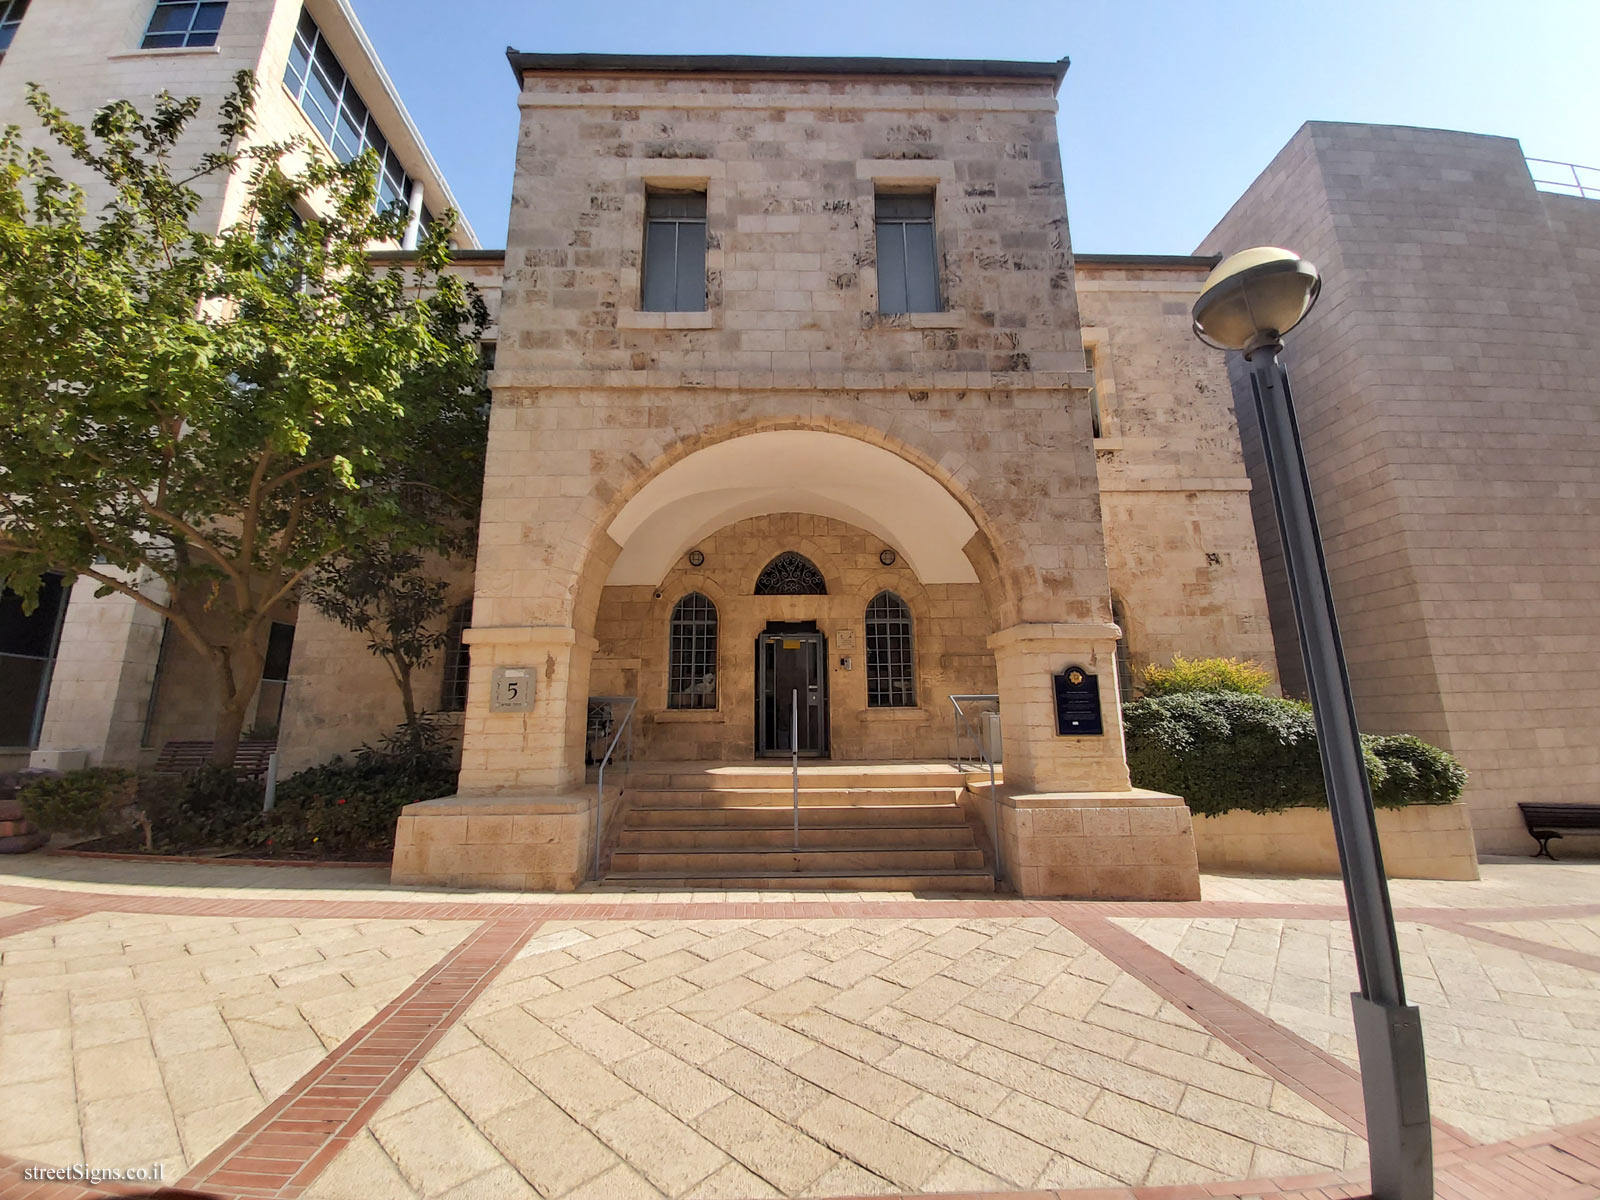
x=863 y=827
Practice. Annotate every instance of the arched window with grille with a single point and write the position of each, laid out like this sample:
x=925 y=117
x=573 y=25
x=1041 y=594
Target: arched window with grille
x=1119 y=616
x=791 y=574
x=891 y=655
x=457 y=660
x=692 y=654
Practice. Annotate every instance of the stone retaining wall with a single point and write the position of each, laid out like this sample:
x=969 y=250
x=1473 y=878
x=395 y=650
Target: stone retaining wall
x=1421 y=842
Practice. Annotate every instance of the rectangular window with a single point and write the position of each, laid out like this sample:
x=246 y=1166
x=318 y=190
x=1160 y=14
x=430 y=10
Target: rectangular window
x=28 y=645
x=330 y=102
x=179 y=23
x=274 y=680
x=674 y=252
x=908 y=265
x=1094 y=392
x=10 y=17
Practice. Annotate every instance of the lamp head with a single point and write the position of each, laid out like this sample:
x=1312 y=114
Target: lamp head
x=1255 y=297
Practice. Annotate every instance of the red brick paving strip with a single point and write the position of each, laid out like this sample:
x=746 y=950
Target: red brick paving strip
x=50 y=913
x=1561 y=954
x=293 y=1140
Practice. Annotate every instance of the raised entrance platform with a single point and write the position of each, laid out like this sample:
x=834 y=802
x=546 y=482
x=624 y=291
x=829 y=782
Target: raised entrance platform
x=862 y=826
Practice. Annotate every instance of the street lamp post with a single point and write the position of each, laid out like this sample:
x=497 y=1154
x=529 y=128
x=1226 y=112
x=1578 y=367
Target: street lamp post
x=1248 y=303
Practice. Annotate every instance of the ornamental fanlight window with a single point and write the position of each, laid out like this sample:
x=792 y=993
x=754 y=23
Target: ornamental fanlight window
x=791 y=574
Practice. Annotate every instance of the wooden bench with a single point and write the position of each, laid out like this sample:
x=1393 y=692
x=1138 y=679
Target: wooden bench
x=250 y=759
x=1548 y=821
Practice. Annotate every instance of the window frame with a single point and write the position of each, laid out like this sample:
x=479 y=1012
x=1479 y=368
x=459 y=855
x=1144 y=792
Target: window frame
x=62 y=597
x=891 y=652
x=189 y=38
x=655 y=225
x=11 y=14
x=310 y=46
x=457 y=660
x=692 y=638
x=889 y=226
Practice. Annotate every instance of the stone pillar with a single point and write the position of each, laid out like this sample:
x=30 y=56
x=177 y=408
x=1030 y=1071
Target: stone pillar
x=1070 y=823
x=522 y=816
x=100 y=689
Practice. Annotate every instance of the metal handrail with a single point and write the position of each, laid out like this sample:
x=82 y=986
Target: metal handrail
x=625 y=726
x=794 y=750
x=1576 y=186
x=965 y=728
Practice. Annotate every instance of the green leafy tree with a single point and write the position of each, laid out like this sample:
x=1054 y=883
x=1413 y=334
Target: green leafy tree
x=387 y=594
x=200 y=420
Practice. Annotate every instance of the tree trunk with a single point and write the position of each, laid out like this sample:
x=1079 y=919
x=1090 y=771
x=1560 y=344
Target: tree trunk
x=408 y=700
x=229 y=728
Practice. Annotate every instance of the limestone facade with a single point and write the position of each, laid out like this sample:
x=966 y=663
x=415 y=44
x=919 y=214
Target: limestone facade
x=1447 y=397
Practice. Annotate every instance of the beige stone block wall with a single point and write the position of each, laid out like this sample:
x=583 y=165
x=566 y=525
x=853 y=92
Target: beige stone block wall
x=1174 y=493
x=1423 y=841
x=949 y=623
x=1446 y=387
x=1104 y=846
x=100 y=688
x=532 y=845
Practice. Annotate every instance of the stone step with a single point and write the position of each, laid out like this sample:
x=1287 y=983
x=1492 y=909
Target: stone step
x=826 y=775
x=963 y=880
x=646 y=814
x=742 y=837
x=678 y=797
x=715 y=861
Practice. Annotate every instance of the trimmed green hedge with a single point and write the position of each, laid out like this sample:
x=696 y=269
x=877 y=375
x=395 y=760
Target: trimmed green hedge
x=1223 y=751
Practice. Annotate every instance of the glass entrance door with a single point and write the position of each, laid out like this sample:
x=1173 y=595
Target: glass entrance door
x=790 y=667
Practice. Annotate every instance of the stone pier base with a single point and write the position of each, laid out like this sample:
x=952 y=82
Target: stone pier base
x=1115 y=845
x=495 y=840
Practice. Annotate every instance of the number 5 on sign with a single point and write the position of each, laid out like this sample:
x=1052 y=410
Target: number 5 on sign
x=513 y=690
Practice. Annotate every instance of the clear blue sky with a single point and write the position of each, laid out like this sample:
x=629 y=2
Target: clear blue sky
x=1170 y=109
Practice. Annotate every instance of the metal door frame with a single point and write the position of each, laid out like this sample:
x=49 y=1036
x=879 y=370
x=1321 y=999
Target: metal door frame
x=776 y=631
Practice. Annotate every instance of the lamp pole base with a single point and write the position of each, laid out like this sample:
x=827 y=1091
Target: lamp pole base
x=1394 y=1084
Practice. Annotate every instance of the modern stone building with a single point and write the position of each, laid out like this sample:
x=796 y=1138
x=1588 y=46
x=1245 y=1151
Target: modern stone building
x=1448 y=397
x=98 y=680
x=807 y=419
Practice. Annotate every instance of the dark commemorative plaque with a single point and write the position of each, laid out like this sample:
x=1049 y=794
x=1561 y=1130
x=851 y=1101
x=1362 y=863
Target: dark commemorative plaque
x=1077 y=704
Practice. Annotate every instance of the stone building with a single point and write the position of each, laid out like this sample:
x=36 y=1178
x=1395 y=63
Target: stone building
x=99 y=680
x=807 y=419
x=1448 y=397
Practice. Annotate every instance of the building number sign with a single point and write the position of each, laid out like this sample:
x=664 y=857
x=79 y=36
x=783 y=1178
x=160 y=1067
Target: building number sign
x=513 y=690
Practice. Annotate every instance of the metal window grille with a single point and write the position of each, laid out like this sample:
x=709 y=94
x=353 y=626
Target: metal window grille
x=674 y=252
x=11 y=12
x=457 y=660
x=28 y=646
x=330 y=102
x=1124 y=662
x=1091 y=365
x=891 y=656
x=791 y=574
x=908 y=267
x=692 y=654
x=177 y=23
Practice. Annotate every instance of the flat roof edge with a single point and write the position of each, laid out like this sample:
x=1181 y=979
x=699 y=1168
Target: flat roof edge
x=1147 y=260
x=762 y=64
x=472 y=254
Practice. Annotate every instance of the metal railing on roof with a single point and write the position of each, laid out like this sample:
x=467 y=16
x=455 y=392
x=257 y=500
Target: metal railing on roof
x=1564 y=178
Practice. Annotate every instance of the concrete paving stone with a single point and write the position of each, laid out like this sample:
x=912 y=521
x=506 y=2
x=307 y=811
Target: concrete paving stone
x=435 y=1146
x=724 y=998
x=362 y=1171
x=645 y=972
x=121 y=1069
x=1013 y=1157
x=885 y=1149
x=846 y=1178
x=479 y=1082
x=732 y=1182
x=957 y=1175
x=1066 y=1172
x=591 y=968
x=43 y=1110
x=929 y=1036
x=854 y=1081
x=933 y=997
x=846 y=972
x=677 y=1034
x=977 y=968
x=915 y=967
x=207 y=1078
x=1224 y=1153
x=678 y=1087
x=792 y=998
x=547 y=1147
x=621 y=1182
x=779 y=1091
x=581 y=1085
x=501 y=1183
x=1002 y=996
x=866 y=998
x=512 y=1033
x=1260 y=1127
x=941 y=1077
x=203 y=1130
x=767 y=1038
x=132 y=1128
x=779 y=971
x=598 y=1035
x=666 y=1151
x=771 y=1148
x=30 y=1057
x=585 y=995
x=1237 y=1080
x=845 y=1036
x=1031 y=1078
